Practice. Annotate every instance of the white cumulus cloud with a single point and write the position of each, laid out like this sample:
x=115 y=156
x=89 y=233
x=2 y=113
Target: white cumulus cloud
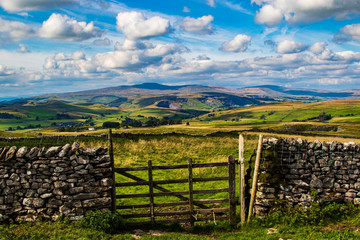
x=186 y=9
x=201 y=25
x=318 y=47
x=63 y=28
x=135 y=25
x=22 y=48
x=348 y=33
x=239 y=44
x=14 y=31
x=289 y=46
x=24 y=5
x=211 y=3
x=105 y=42
x=304 y=11
x=5 y=71
x=129 y=56
x=269 y=16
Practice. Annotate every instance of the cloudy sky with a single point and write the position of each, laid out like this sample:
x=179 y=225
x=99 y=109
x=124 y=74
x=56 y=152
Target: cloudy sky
x=70 y=45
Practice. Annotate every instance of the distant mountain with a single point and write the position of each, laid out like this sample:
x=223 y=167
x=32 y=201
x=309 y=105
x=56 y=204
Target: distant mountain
x=193 y=96
x=278 y=91
x=157 y=95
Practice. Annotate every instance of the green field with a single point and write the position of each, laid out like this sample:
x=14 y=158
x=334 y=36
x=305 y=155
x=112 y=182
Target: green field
x=284 y=119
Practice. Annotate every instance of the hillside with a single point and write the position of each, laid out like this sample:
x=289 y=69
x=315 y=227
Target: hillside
x=155 y=104
x=116 y=96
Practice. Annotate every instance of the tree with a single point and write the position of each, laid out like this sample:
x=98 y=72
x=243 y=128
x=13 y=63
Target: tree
x=111 y=125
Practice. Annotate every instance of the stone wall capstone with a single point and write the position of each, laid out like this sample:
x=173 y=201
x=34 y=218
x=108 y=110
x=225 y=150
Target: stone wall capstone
x=295 y=171
x=40 y=183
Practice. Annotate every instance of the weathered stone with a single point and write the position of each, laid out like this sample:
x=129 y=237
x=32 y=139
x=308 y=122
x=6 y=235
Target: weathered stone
x=60 y=184
x=82 y=196
x=46 y=195
x=82 y=172
x=350 y=194
x=64 y=150
x=58 y=170
x=58 y=192
x=74 y=148
x=3 y=152
x=10 y=153
x=76 y=190
x=305 y=198
x=83 y=160
x=52 y=151
x=108 y=182
x=97 y=202
x=87 y=151
x=64 y=210
x=21 y=152
x=100 y=150
x=15 y=177
x=27 y=202
x=32 y=154
x=77 y=168
x=328 y=182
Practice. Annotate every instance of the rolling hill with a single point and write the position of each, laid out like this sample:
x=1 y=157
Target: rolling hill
x=154 y=102
x=120 y=95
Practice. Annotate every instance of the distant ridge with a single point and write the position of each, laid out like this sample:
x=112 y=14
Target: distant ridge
x=308 y=92
x=116 y=96
x=157 y=86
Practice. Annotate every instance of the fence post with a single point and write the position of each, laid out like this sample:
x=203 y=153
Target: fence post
x=242 y=179
x=151 y=192
x=111 y=154
x=191 y=193
x=254 y=183
x=232 y=198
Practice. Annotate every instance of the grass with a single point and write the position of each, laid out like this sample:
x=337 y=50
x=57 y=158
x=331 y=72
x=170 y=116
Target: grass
x=176 y=150
x=171 y=150
x=332 y=224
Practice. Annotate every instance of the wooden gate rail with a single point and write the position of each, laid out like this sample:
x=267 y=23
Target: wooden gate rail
x=192 y=213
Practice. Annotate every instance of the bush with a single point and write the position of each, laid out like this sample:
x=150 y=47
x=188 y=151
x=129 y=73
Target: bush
x=111 y=125
x=314 y=215
x=107 y=221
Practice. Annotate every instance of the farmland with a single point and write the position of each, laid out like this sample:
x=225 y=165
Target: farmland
x=284 y=119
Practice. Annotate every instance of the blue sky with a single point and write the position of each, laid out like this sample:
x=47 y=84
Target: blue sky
x=49 y=46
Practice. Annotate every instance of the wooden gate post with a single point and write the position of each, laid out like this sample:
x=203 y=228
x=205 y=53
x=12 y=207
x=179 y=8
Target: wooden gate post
x=151 y=192
x=191 y=193
x=111 y=154
x=242 y=179
x=232 y=198
x=254 y=183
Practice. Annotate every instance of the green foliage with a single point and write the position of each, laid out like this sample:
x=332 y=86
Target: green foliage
x=107 y=221
x=314 y=215
x=111 y=125
x=5 y=115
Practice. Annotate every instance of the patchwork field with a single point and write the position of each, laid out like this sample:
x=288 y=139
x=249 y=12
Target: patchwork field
x=337 y=120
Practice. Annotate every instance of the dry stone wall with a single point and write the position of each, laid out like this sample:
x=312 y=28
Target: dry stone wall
x=40 y=183
x=297 y=172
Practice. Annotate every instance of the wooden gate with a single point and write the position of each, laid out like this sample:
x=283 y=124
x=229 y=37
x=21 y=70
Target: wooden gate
x=195 y=210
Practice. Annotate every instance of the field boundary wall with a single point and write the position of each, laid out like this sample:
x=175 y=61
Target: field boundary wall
x=298 y=172
x=46 y=183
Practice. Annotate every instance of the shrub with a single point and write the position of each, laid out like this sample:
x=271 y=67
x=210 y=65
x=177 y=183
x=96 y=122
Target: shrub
x=111 y=125
x=107 y=221
x=314 y=215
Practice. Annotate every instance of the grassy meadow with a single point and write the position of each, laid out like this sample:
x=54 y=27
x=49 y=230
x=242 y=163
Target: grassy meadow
x=285 y=119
